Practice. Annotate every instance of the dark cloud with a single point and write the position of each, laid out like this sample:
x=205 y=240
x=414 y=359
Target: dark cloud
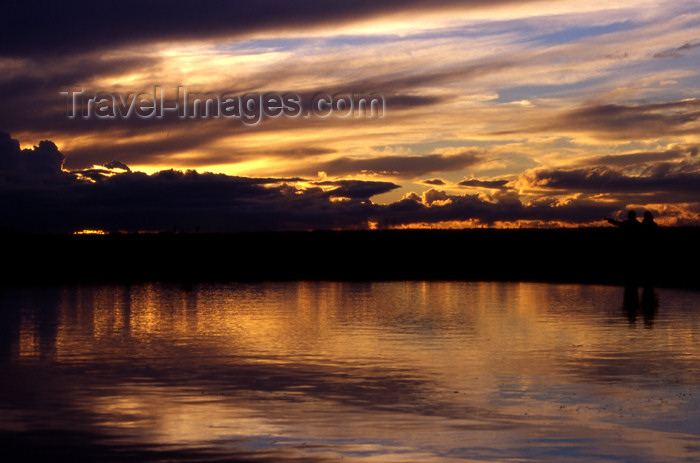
x=18 y=166
x=411 y=101
x=433 y=181
x=659 y=182
x=506 y=207
x=620 y=122
x=30 y=95
x=167 y=199
x=644 y=157
x=478 y=183
x=594 y=179
x=641 y=121
x=158 y=148
x=37 y=195
x=678 y=51
x=398 y=166
x=357 y=189
x=47 y=28
x=117 y=165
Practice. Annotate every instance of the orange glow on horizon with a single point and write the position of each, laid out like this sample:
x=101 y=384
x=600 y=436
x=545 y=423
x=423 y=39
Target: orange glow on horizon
x=90 y=232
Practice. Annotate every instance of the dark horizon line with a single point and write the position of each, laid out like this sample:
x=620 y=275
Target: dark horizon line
x=656 y=258
x=191 y=231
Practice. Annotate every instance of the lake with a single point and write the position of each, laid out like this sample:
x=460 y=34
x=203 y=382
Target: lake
x=323 y=371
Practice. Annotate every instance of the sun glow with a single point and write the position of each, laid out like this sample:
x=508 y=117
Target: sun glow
x=90 y=232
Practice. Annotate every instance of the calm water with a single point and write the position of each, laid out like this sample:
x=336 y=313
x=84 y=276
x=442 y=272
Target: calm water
x=408 y=371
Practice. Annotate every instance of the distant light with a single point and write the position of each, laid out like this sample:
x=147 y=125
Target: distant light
x=90 y=232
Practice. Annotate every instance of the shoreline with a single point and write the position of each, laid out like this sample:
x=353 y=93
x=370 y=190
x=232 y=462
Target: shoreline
x=577 y=255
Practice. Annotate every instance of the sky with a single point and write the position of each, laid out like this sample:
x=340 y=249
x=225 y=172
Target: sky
x=502 y=113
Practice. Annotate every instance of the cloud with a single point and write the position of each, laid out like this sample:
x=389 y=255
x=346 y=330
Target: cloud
x=642 y=157
x=670 y=182
x=641 y=121
x=29 y=89
x=439 y=85
x=445 y=68
x=437 y=206
x=676 y=52
x=357 y=189
x=117 y=165
x=37 y=195
x=155 y=145
x=433 y=181
x=38 y=162
x=39 y=28
x=113 y=197
x=400 y=101
x=399 y=166
x=491 y=184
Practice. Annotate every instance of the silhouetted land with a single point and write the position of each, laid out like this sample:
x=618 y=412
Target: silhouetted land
x=661 y=257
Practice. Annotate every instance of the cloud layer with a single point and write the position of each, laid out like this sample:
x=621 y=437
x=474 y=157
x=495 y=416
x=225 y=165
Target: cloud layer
x=38 y=195
x=532 y=103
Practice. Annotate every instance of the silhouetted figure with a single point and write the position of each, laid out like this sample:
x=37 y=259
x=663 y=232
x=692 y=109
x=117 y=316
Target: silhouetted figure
x=632 y=267
x=648 y=221
x=630 y=224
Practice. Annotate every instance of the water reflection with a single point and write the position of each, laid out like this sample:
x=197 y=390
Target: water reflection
x=412 y=371
x=648 y=304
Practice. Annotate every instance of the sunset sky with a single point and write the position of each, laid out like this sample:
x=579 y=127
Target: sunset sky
x=498 y=113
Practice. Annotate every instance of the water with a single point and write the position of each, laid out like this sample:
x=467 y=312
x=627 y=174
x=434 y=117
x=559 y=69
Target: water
x=406 y=371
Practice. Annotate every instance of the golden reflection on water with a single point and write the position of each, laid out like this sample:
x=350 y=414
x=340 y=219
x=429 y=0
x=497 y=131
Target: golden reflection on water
x=404 y=371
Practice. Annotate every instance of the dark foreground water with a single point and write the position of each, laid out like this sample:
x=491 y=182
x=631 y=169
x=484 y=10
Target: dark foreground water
x=407 y=371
